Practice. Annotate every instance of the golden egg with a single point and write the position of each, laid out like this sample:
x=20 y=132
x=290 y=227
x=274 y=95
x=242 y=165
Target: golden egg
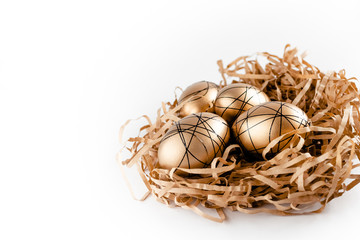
x=236 y=98
x=206 y=93
x=194 y=141
x=257 y=127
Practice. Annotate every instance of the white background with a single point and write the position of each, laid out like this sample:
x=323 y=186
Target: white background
x=72 y=72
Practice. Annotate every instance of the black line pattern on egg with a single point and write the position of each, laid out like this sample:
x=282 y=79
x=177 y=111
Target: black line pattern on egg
x=218 y=143
x=200 y=92
x=242 y=98
x=300 y=119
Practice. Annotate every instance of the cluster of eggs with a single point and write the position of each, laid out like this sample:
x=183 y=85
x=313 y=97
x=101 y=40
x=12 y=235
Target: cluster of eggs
x=203 y=131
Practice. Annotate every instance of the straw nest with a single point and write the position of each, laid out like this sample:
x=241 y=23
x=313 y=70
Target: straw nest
x=299 y=180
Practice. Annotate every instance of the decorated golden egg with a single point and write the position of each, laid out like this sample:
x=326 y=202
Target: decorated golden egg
x=236 y=98
x=257 y=127
x=205 y=93
x=193 y=141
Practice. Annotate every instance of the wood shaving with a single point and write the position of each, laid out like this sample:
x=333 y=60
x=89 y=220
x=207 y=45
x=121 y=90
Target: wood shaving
x=301 y=179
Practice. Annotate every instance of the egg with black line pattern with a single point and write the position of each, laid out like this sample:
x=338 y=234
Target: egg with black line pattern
x=236 y=98
x=258 y=126
x=204 y=94
x=194 y=141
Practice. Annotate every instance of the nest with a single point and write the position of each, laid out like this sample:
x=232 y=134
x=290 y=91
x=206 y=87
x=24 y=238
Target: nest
x=299 y=180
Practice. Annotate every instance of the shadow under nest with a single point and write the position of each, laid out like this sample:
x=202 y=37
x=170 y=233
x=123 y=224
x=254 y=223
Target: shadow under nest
x=299 y=180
